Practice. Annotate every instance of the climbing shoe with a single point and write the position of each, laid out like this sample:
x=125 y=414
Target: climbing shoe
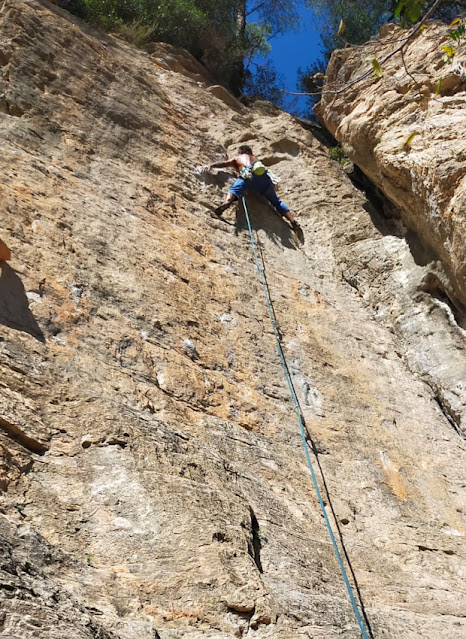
x=223 y=207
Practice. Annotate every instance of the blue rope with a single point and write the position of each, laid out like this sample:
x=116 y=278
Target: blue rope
x=301 y=427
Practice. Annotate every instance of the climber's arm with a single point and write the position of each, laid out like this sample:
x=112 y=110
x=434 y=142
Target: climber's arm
x=223 y=165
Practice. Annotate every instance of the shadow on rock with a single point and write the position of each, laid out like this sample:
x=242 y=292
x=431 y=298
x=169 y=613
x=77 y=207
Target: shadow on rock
x=219 y=179
x=14 y=304
x=263 y=216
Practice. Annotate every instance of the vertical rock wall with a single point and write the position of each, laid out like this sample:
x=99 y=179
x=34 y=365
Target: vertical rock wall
x=406 y=131
x=153 y=478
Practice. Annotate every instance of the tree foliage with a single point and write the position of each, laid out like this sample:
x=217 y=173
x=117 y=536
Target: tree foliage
x=362 y=20
x=224 y=34
x=345 y=21
x=264 y=83
x=308 y=82
x=280 y=15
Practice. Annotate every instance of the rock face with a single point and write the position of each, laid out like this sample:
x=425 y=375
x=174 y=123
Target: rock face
x=153 y=481
x=5 y=253
x=407 y=132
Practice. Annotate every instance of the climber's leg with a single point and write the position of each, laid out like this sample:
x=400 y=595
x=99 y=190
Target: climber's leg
x=236 y=191
x=281 y=207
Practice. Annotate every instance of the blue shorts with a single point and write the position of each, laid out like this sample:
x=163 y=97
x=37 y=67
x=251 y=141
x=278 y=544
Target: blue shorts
x=261 y=184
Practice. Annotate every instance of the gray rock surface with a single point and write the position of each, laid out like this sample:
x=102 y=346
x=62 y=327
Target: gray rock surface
x=152 y=466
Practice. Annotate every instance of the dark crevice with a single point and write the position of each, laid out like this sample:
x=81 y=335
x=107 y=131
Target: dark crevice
x=421 y=252
x=458 y=314
x=318 y=131
x=219 y=536
x=449 y=415
x=14 y=304
x=255 y=544
x=16 y=434
x=428 y=549
x=386 y=217
x=352 y=281
x=439 y=290
x=243 y=614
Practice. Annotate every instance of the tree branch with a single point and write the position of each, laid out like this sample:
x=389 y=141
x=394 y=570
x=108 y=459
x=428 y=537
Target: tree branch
x=273 y=35
x=381 y=62
x=258 y=6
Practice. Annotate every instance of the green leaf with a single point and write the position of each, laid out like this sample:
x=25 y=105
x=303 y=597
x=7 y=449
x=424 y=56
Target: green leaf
x=408 y=142
x=438 y=86
x=341 y=28
x=399 y=9
x=410 y=10
x=414 y=12
x=376 y=67
x=449 y=51
x=459 y=33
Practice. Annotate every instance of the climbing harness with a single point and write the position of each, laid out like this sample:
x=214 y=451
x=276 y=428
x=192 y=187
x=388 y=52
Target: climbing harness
x=256 y=168
x=297 y=408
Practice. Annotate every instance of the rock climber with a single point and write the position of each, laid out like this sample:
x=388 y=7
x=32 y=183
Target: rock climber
x=252 y=176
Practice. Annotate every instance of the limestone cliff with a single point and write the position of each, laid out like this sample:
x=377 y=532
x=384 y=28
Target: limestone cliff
x=153 y=479
x=406 y=131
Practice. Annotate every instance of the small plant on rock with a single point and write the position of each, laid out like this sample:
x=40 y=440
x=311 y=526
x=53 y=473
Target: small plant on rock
x=136 y=33
x=457 y=36
x=338 y=154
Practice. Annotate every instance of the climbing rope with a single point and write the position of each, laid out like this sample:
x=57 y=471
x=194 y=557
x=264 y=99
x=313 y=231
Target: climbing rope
x=302 y=429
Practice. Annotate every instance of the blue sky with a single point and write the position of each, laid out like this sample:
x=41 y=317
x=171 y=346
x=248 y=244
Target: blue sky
x=294 y=50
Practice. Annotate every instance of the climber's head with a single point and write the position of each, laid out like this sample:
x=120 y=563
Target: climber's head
x=245 y=149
